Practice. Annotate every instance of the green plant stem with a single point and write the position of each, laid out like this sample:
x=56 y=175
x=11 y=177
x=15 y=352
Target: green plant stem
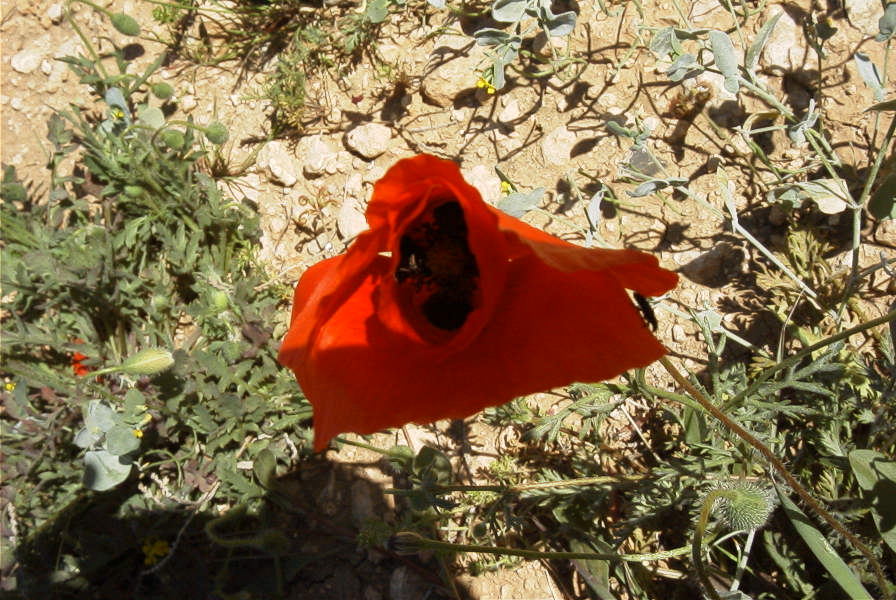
x=795 y=485
x=539 y=485
x=857 y=211
x=430 y=544
x=87 y=45
x=696 y=547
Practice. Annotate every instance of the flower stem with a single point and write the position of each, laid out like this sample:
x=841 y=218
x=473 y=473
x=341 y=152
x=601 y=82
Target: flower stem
x=697 y=546
x=430 y=544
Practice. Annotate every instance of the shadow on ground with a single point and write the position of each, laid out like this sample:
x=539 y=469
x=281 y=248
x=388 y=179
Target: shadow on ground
x=299 y=542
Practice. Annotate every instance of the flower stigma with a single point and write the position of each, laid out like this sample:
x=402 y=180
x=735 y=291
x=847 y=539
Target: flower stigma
x=436 y=264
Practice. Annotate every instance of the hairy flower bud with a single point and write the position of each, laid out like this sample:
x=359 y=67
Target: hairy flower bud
x=148 y=362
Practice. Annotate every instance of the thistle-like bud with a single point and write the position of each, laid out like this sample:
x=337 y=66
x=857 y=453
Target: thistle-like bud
x=216 y=133
x=744 y=505
x=148 y=362
x=162 y=91
x=125 y=24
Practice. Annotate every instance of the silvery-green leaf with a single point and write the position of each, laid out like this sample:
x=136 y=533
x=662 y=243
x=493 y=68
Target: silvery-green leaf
x=723 y=53
x=120 y=440
x=152 y=117
x=665 y=42
x=498 y=80
x=436 y=3
x=117 y=104
x=491 y=37
x=797 y=132
x=509 y=11
x=886 y=26
x=655 y=185
x=755 y=50
x=592 y=211
x=617 y=129
x=103 y=470
x=710 y=319
x=519 y=203
x=86 y=438
x=376 y=11
x=788 y=195
x=828 y=194
x=100 y=416
x=685 y=66
x=869 y=74
x=732 y=84
x=562 y=24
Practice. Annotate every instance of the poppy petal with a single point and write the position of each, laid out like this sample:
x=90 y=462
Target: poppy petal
x=446 y=306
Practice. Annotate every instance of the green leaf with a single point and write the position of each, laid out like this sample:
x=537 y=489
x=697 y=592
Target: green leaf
x=433 y=465
x=726 y=59
x=883 y=201
x=377 y=11
x=519 y=203
x=685 y=66
x=886 y=26
x=120 y=440
x=655 y=185
x=755 y=50
x=823 y=551
x=100 y=416
x=665 y=42
x=869 y=74
x=151 y=116
x=889 y=105
x=265 y=468
x=401 y=458
x=509 y=11
x=103 y=470
x=561 y=25
x=491 y=37
x=876 y=475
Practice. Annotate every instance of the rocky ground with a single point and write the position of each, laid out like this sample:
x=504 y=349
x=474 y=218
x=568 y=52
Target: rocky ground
x=551 y=132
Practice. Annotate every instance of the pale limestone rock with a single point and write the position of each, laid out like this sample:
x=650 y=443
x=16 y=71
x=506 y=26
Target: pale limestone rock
x=369 y=140
x=26 y=61
x=278 y=162
x=452 y=70
x=556 y=147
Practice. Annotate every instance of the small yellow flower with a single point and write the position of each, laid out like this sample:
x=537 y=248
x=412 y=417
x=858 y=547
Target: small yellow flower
x=483 y=83
x=138 y=433
x=506 y=188
x=154 y=549
x=10 y=386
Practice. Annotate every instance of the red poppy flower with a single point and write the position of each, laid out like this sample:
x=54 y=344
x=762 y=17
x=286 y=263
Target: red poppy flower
x=446 y=306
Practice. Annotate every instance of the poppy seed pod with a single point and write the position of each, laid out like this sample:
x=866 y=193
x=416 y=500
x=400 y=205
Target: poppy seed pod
x=446 y=306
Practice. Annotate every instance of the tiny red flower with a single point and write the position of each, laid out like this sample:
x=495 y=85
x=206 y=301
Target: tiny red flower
x=77 y=365
x=446 y=306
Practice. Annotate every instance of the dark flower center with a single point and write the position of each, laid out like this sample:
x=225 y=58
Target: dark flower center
x=435 y=259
